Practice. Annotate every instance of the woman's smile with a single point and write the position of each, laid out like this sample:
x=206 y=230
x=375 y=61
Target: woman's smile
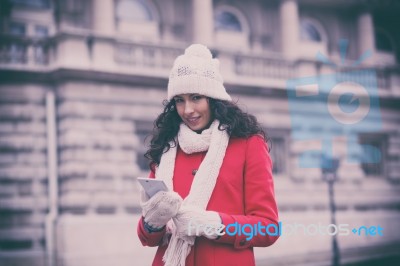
x=193 y=120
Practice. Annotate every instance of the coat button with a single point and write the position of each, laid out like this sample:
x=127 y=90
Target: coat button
x=242 y=242
x=194 y=172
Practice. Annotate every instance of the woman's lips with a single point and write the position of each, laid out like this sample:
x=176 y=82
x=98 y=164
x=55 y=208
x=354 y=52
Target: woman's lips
x=193 y=121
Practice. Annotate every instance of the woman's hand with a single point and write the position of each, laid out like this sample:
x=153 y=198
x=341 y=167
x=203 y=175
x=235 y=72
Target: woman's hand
x=192 y=221
x=160 y=208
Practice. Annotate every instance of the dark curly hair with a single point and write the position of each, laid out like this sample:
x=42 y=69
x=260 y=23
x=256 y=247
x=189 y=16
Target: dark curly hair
x=239 y=124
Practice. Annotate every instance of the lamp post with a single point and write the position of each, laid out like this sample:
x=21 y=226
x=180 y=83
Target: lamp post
x=329 y=166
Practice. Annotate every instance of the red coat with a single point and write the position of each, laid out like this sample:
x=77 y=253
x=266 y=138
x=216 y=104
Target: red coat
x=244 y=193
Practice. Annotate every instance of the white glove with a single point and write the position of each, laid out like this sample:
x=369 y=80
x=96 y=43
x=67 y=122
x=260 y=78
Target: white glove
x=160 y=208
x=192 y=221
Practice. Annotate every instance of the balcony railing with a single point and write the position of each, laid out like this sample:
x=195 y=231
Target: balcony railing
x=24 y=51
x=245 y=65
x=369 y=77
x=146 y=56
x=73 y=50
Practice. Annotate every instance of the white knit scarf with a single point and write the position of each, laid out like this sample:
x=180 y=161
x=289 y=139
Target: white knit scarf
x=216 y=142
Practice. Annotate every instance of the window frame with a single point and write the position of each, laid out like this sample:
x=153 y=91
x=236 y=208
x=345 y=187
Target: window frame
x=237 y=13
x=234 y=40
x=20 y=24
x=317 y=25
x=146 y=6
x=140 y=30
x=224 y=28
x=384 y=33
x=366 y=138
x=283 y=134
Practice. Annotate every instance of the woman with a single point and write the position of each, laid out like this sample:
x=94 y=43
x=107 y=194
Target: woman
x=214 y=159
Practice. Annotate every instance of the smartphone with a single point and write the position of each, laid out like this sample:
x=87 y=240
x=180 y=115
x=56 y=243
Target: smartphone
x=151 y=186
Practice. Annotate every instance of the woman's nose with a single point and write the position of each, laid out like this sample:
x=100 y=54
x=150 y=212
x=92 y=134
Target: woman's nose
x=188 y=108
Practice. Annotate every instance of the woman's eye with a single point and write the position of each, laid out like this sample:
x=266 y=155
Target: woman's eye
x=178 y=100
x=196 y=98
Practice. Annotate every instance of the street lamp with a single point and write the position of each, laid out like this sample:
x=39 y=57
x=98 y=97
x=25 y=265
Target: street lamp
x=329 y=167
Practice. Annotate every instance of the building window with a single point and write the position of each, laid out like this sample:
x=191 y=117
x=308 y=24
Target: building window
x=41 y=31
x=40 y=49
x=75 y=13
x=17 y=54
x=383 y=41
x=138 y=18
x=278 y=153
x=374 y=154
x=310 y=31
x=17 y=49
x=231 y=28
x=133 y=10
x=225 y=20
x=16 y=28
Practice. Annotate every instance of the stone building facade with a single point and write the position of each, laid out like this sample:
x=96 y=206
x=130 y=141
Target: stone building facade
x=82 y=81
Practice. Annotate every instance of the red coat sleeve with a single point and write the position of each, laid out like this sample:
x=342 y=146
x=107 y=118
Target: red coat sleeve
x=149 y=239
x=259 y=200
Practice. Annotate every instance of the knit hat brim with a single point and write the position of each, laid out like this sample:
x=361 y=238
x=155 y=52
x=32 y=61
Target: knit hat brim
x=197 y=84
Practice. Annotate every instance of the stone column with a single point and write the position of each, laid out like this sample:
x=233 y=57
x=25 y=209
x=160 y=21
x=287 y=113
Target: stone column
x=203 y=21
x=102 y=50
x=366 y=38
x=104 y=16
x=257 y=43
x=168 y=24
x=289 y=19
x=257 y=33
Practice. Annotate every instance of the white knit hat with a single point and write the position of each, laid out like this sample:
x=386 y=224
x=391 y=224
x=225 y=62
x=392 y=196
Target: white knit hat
x=197 y=72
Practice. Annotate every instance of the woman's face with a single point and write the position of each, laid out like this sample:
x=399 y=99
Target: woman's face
x=194 y=110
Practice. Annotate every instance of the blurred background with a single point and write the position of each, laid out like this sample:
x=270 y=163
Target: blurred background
x=81 y=82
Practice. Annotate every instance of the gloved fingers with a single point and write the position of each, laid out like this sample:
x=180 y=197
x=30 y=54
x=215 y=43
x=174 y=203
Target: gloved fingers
x=193 y=221
x=169 y=202
x=150 y=203
x=172 y=197
x=153 y=201
x=160 y=208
